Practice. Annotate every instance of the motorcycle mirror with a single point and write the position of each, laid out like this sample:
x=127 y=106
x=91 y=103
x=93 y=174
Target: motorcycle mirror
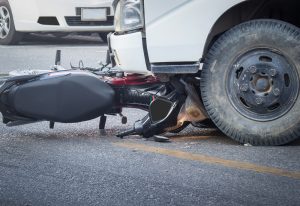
x=160 y=109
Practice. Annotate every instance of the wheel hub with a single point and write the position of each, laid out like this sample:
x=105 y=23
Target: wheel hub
x=4 y=22
x=263 y=85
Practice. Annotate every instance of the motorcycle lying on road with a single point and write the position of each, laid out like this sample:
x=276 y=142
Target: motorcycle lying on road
x=82 y=94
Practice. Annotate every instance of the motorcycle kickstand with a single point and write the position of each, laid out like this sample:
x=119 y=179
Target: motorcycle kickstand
x=102 y=124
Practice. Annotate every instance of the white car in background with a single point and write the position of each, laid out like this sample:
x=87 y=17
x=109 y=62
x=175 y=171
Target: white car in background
x=54 y=16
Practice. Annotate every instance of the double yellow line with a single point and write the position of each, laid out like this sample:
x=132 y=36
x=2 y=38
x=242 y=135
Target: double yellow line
x=211 y=160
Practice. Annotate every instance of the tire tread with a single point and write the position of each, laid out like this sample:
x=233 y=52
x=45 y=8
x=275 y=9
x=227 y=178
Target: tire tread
x=229 y=129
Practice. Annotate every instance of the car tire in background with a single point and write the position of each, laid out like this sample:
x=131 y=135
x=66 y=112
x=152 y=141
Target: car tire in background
x=250 y=82
x=103 y=36
x=8 y=33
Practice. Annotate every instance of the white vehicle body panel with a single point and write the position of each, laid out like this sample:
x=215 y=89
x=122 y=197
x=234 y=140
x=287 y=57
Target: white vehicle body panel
x=27 y=12
x=178 y=33
x=128 y=52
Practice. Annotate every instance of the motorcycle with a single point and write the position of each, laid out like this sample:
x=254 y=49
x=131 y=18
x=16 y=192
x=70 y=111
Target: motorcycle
x=83 y=93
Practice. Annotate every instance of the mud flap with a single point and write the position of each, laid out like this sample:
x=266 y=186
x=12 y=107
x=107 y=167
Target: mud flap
x=66 y=97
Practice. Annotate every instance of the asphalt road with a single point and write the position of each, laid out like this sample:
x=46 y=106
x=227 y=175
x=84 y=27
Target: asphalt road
x=76 y=164
x=38 y=52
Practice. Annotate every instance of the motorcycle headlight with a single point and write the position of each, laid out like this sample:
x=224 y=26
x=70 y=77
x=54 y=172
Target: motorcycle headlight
x=129 y=15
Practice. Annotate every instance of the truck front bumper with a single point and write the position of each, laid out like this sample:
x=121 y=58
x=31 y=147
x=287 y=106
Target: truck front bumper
x=127 y=52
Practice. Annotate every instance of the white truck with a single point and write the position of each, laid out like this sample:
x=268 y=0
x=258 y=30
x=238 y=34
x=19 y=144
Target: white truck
x=246 y=55
x=233 y=64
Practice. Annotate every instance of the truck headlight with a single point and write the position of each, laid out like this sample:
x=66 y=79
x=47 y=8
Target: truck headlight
x=129 y=15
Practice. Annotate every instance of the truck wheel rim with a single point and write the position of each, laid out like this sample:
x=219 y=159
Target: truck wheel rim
x=262 y=85
x=4 y=22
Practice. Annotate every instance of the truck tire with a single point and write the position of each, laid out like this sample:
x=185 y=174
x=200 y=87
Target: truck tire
x=8 y=33
x=250 y=82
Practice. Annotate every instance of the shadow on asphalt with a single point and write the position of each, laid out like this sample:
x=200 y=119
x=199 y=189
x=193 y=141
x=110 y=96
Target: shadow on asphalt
x=193 y=134
x=70 y=40
x=213 y=136
x=294 y=143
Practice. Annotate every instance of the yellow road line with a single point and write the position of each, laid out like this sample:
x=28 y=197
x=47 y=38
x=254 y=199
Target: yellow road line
x=211 y=160
x=189 y=138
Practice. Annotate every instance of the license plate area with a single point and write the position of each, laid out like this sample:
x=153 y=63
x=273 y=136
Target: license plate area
x=93 y=14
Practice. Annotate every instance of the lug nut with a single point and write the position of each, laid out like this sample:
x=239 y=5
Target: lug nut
x=273 y=72
x=253 y=69
x=259 y=101
x=276 y=92
x=244 y=87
